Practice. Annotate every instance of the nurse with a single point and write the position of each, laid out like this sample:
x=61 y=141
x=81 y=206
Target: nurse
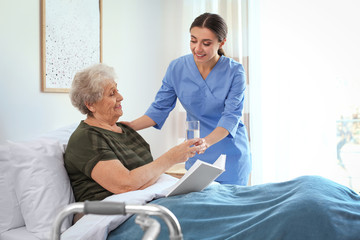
x=211 y=88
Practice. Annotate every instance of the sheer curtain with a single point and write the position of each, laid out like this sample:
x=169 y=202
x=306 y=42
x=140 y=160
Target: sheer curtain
x=233 y=12
x=302 y=56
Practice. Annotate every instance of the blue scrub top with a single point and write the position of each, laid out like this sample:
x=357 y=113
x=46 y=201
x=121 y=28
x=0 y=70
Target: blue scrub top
x=217 y=101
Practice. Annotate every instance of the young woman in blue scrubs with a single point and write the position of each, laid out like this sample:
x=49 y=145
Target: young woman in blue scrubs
x=211 y=88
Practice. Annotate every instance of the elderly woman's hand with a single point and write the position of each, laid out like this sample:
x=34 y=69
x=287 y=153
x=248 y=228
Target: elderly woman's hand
x=185 y=150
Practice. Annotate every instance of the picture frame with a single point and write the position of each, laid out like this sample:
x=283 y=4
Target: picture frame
x=71 y=40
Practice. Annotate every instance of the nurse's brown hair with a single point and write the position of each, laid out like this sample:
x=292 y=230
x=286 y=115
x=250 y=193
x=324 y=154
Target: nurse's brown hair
x=215 y=23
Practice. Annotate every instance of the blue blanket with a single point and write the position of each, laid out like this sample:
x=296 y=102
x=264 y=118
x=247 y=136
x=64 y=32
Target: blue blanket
x=308 y=208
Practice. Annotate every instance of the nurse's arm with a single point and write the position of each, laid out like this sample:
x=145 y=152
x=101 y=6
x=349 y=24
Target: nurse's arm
x=215 y=136
x=140 y=123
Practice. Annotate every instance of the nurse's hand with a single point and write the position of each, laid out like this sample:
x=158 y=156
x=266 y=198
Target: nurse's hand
x=201 y=143
x=126 y=123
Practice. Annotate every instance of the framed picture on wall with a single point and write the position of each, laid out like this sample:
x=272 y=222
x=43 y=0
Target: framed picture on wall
x=71 y=36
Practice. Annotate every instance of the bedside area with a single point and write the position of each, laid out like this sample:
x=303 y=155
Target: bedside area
x=177 y=170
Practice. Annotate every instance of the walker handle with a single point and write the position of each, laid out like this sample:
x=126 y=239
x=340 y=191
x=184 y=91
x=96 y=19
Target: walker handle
x=104 y=208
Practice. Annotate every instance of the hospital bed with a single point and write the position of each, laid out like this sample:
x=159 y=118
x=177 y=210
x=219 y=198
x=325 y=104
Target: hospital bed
x=37 y=202
x=35 y=189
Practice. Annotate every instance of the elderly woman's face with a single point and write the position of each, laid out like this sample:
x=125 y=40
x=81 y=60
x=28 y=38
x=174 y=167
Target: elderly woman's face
x=109 y=107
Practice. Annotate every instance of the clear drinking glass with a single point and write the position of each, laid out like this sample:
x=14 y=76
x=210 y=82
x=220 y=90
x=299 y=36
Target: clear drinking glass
x=192 y=129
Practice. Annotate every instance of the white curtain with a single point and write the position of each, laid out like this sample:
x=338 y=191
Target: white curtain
x=230 y=10
x=302 y=56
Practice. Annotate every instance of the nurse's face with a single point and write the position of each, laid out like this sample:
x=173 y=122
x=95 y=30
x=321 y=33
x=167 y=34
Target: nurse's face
x=204 y=45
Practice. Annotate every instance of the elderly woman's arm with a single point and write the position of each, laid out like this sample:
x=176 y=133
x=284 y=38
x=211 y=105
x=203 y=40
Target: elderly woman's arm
x=113 y=176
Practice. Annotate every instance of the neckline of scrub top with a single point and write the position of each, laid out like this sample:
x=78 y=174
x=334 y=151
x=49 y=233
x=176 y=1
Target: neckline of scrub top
x=207 y=82
x=198 y=72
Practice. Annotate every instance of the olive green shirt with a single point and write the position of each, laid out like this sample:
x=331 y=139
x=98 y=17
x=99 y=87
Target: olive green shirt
x=88 y=145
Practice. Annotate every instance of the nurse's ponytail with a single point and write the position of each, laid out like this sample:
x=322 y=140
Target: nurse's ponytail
x=221 y=52
x=215 y=23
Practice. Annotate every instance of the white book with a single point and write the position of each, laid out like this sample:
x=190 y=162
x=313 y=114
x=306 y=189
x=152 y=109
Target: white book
x=198 y=177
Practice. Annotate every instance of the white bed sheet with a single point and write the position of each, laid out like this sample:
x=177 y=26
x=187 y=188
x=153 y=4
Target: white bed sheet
x=97 y=227
x=18 y=233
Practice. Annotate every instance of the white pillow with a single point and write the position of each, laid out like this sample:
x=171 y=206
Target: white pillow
x=42 y=185
x=61 y=134
x=10 y=214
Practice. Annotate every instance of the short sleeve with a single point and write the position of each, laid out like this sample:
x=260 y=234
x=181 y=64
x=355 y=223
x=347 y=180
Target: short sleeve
x=85 y=150
x=165 y=100
x=234 y=103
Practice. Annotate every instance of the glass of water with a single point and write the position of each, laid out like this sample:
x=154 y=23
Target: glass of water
x=192 y=129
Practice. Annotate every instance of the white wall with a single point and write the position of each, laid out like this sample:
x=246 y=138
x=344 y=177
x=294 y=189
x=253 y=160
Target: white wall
x=26 y=111
x=140 y=38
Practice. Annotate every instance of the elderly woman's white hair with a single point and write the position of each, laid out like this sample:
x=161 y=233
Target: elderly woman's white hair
x=88 y=86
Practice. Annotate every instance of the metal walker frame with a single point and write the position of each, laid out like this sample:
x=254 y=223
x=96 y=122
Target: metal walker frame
x=150 y=226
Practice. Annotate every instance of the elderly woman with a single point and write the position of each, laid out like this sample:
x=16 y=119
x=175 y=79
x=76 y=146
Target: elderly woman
x=103 y=156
